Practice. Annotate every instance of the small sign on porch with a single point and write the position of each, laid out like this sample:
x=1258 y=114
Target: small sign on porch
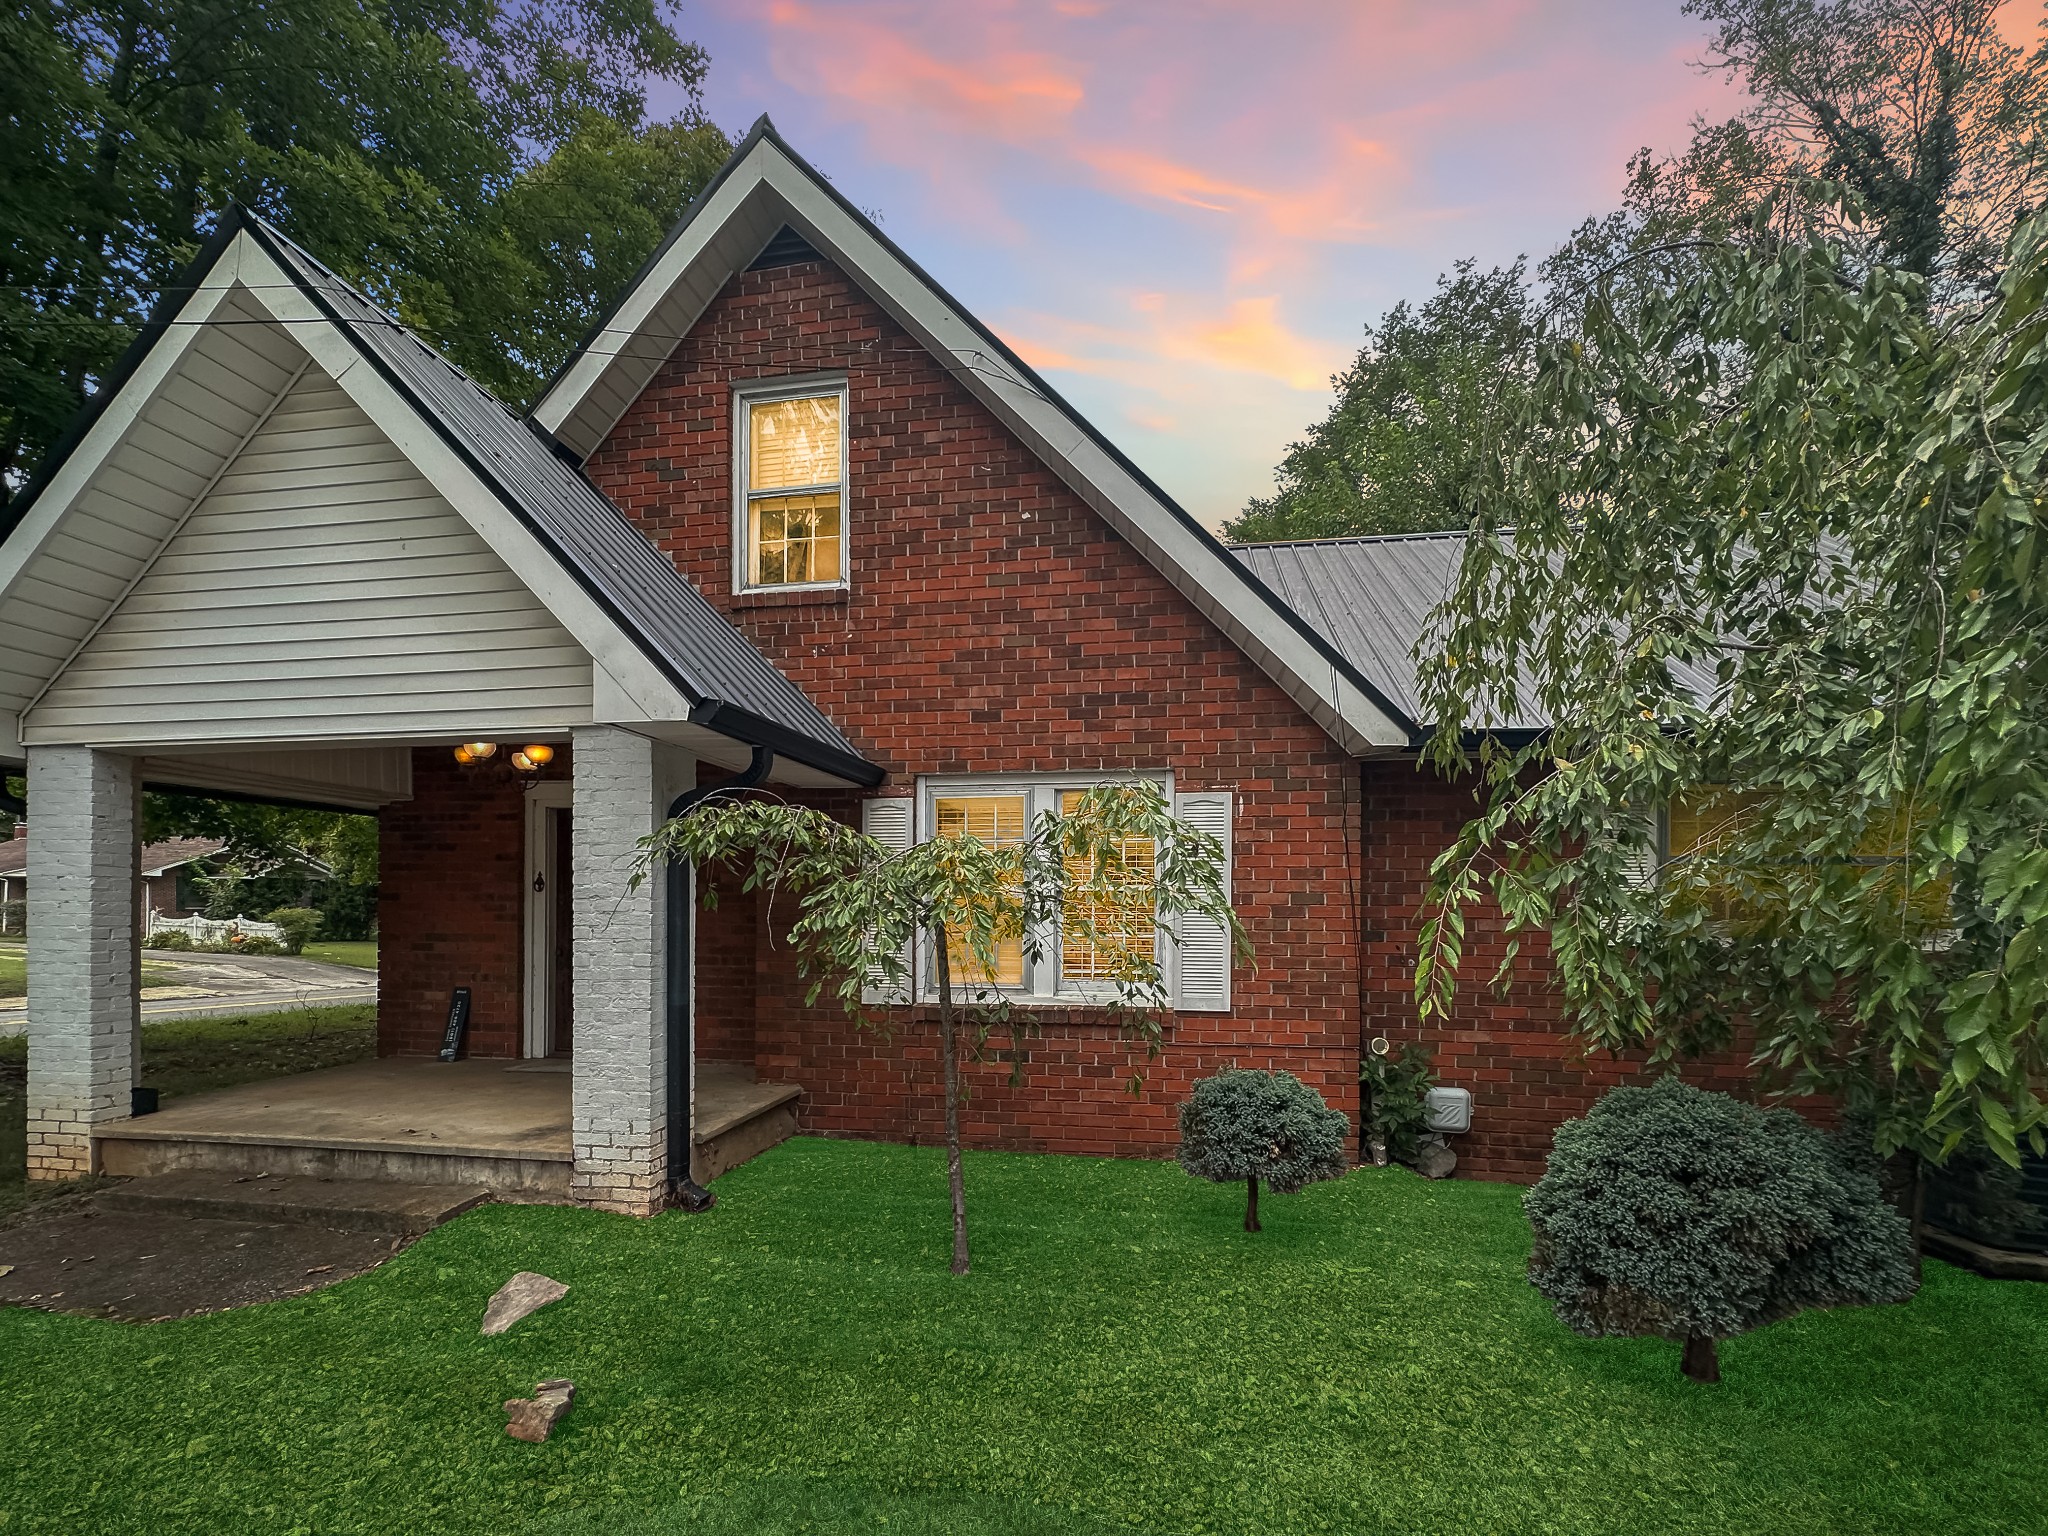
x=458 y=1024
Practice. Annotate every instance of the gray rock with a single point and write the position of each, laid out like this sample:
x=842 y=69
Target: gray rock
x=1433 y=1159
x=521 y=1296
x=533 y=1419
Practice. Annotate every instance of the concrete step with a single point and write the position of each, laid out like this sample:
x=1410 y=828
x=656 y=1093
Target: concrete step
x=737 y=1120
x=341 y=1205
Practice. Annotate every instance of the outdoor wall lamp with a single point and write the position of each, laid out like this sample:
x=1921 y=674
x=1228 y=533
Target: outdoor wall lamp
x=532 y=759
x=476 y=751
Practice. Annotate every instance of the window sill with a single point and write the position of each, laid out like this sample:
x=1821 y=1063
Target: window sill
x=796 y=597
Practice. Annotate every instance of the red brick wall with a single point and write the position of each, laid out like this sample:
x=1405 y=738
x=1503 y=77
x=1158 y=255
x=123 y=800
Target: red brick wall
x=451 y=905
x=725 y=955
x=995 y=623
x=1526 y=1077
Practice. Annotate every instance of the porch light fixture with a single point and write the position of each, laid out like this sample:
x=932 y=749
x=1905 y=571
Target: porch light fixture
x=533 y=758
x=476 y=751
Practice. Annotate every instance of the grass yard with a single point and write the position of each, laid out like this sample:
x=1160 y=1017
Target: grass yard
x=14 y=971
x=360 y=953
x=182 y=1056
x=1123 y=1358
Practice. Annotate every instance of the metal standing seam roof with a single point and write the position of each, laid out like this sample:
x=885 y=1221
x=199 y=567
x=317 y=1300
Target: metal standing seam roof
x=731 y=686
x=1371 y=597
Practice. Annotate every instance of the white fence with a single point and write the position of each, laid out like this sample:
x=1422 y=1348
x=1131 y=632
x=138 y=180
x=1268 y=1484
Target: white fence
x=207 y=930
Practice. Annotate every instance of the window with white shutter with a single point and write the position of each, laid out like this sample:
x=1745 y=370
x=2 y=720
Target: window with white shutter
x=1202 y=945
x=893 y=824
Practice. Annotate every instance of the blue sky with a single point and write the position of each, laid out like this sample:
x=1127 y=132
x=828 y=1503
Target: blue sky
x=1183 y=213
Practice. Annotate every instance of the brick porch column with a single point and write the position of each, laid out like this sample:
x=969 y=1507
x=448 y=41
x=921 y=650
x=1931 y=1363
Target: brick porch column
x=84 y=978
x=619 y=1121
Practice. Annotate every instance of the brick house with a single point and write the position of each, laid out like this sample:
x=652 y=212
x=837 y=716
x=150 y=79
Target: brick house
x=165 y=871
x=790 y=512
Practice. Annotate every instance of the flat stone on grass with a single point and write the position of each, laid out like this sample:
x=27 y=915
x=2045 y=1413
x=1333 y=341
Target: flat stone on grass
x=521 y=1296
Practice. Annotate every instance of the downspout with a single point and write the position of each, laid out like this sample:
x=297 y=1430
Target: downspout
x=683 y=1190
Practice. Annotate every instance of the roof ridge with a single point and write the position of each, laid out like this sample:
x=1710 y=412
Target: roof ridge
x=1416 y=535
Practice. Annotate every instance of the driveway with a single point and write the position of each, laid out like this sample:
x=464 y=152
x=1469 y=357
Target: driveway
x=223 y=986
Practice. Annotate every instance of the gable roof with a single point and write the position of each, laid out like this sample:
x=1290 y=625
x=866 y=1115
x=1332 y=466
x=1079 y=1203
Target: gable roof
x=633 y=593
x=767 y=192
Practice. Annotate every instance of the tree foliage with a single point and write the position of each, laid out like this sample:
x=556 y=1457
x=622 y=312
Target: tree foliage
x=1777 y=550
x=1676 y=1213
x=1425 y=402
x=1920 y=107
x=1109 y=873
x=1244 y=1125
x=484 y=168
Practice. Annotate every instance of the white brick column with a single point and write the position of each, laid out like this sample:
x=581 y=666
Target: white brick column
x=84 y=975
x=619 y=1114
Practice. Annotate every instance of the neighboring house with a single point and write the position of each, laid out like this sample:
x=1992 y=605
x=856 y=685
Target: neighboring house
x=166 y=873
x=790 y=506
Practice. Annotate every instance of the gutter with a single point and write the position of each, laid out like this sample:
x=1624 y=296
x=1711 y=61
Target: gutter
x=683 y=1190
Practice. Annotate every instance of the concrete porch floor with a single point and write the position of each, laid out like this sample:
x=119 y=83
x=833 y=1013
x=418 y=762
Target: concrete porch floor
x=502 y=1124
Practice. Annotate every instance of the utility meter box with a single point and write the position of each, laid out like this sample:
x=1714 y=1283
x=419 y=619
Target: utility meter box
x=1448 y=1111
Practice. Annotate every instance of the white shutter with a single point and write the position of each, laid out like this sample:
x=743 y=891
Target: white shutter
x=892 y=823
x=1202 y=946
x=1644 y=850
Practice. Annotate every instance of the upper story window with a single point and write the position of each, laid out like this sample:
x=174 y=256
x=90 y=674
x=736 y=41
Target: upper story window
x=790 y=501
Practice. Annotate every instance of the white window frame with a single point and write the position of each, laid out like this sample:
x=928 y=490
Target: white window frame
x=744 y=398
x=1043 y=985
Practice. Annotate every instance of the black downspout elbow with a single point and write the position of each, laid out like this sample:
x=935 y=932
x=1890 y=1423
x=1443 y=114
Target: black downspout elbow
x=683 y=1190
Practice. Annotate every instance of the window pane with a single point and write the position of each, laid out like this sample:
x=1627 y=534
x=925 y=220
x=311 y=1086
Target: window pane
x=997 y=820
x=1105 y=930
x=795 y=539
x=793 y=442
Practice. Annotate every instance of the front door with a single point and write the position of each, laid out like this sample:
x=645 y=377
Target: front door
x=562 y=1014
x=549 y=874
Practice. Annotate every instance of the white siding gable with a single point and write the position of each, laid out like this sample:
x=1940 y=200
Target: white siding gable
x=321 y=589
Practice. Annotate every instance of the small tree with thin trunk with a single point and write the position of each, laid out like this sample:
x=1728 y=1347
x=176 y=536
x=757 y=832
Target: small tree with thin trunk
x=1112 y=874
x=1244 y=1126
x=1670 y=1211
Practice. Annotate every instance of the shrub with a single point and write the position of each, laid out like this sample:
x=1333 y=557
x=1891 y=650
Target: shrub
x=1261 y=1125
x=299 y=925
x=1396 y=1102
x=257 y=946
x=171 y=939
x=13 y=917
x=1669 y=1211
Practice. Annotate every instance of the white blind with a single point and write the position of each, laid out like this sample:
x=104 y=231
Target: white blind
x=1202 y=945
x=891 y=823
x=793 y=442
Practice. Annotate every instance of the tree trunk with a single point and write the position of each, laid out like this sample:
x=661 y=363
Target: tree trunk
x=1702 y=1358
x=949 y=1050
x=1251 y=1204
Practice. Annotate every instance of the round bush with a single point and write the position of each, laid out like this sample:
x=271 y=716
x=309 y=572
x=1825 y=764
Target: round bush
x=1676 y=1212
x=299 y=925
x=1249 y=1125
x=258 y=946
x=170 y=938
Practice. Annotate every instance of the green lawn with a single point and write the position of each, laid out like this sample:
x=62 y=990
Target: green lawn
x=14 y=971
x=1123 y=1357
x=193 y=1055
x=361 y=953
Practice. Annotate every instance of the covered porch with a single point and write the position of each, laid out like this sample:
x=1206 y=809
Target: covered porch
x=292 y=554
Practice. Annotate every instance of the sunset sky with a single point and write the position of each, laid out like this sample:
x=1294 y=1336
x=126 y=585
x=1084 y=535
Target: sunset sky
x=1183 y=213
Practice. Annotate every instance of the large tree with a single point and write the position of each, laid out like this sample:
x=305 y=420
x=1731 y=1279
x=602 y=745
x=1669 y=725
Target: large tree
x=1416 y=412
x=1775 y=561
x=485 y=168
x=1935 y=122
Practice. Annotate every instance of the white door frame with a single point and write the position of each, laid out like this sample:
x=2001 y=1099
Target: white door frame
x=539 y=878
